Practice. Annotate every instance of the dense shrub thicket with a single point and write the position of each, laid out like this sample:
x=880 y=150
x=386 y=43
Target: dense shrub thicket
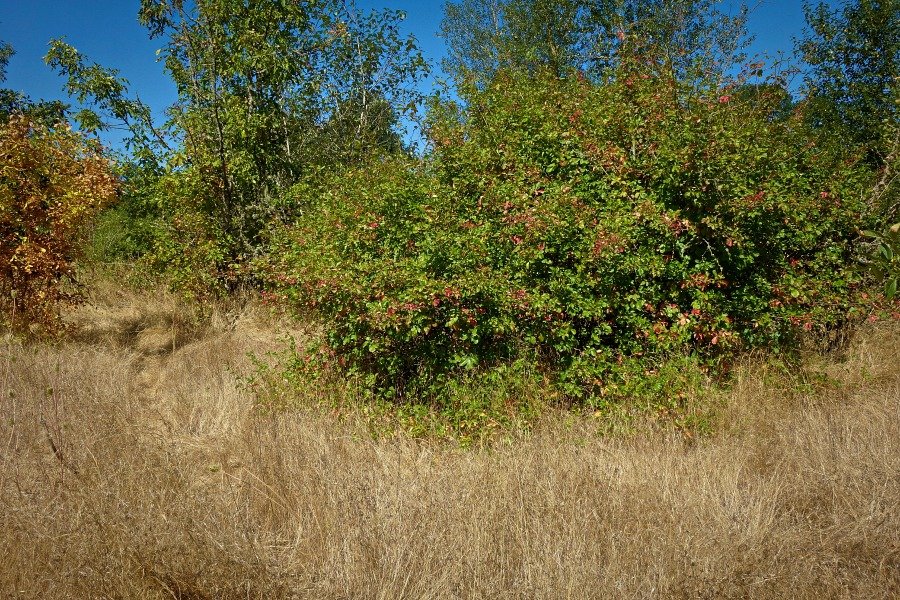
x=597 y=228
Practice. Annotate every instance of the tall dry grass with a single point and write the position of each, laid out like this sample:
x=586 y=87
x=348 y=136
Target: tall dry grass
x=138 y=472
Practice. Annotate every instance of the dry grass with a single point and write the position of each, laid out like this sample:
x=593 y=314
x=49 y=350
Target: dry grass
x=128 y=472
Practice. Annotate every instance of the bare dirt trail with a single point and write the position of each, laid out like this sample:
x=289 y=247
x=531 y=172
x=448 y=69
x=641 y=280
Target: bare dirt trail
x=182 y=370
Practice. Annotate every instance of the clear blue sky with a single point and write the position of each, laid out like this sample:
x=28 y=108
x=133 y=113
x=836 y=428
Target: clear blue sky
x=107 y=31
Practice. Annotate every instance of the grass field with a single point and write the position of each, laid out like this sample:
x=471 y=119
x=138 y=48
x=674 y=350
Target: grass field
x=132 y=465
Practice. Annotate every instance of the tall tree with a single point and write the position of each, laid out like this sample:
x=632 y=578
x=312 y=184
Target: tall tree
x=853 y=80
x=484 y=36
x=260 y=85
x=6 y=52
x=683 y=36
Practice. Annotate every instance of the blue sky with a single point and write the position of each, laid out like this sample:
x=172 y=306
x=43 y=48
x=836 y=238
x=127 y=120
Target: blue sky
x=107 y=31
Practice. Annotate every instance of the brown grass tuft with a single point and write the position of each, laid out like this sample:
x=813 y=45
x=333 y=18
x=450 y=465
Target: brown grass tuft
x=126 y=473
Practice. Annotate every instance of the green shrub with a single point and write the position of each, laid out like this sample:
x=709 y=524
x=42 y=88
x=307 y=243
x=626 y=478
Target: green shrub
x=885 y=258
x=119 y=235
x=595 y=229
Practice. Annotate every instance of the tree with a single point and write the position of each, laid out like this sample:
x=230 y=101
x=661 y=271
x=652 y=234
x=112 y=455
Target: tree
x=260 y=87
x=772 y=96
x=853 y=80
x=688 y=39
x=484 y=36
x=6 y=52
x=359 y=124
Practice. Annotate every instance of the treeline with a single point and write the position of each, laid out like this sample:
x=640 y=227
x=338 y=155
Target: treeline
x=610 y=193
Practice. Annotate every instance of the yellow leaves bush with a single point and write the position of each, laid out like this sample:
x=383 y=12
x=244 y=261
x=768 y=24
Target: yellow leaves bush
x=52 y=183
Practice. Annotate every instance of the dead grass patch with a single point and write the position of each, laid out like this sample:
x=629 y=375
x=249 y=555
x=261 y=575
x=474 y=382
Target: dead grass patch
x=125 y=474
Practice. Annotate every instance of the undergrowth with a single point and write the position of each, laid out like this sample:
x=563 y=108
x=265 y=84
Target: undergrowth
x=482 y=407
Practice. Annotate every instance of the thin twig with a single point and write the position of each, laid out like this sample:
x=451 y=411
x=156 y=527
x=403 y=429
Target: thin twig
x=56 y=450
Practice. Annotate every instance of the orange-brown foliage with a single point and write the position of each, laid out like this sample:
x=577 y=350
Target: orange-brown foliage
x=52 y=182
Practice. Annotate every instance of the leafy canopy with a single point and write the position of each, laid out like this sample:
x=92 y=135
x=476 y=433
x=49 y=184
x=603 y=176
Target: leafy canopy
x=12 y=103
x=853 y=80
x=562 y=36
x=268 y=93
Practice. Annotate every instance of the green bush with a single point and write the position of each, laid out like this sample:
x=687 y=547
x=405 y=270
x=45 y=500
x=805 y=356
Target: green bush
x=124 y=232
x=885 y=258
x=595 y=229
x=162 y=224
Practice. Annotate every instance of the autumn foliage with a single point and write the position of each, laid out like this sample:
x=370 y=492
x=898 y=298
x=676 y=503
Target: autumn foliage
x=52 y=183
